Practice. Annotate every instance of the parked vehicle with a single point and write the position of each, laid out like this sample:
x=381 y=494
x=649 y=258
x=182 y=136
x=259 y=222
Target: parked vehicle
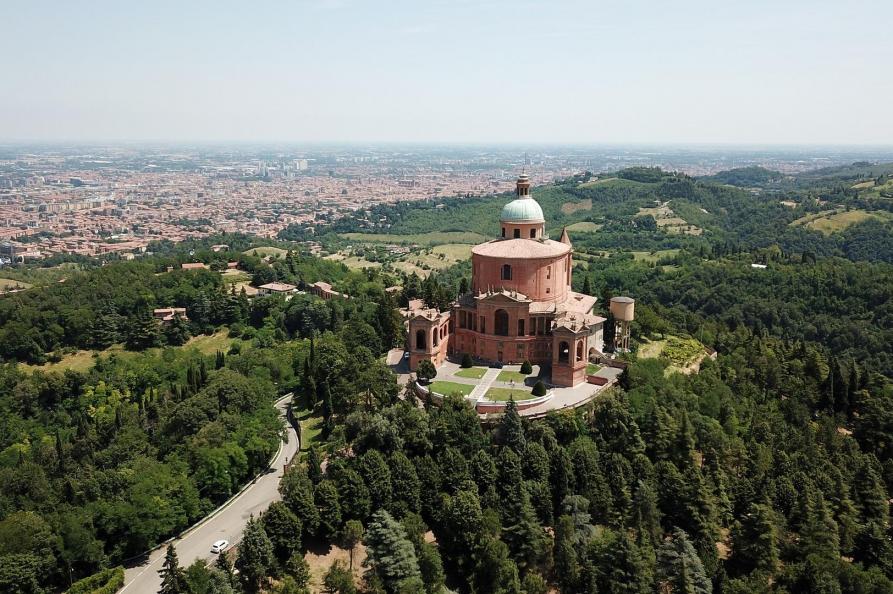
x=219 y=546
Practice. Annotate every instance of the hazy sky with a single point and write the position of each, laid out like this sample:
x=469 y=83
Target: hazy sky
x=724 y=71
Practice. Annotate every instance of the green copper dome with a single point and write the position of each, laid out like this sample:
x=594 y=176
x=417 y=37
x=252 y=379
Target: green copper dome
x=522 y=210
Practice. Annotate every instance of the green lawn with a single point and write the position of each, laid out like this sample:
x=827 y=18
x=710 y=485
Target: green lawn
x=446 y=388
x=506 y=376
x=311 y=428
x=503 y=394
x=7 y=284
x=592 y=368
x=471 y=372
x=654 y=256
x=208 y=345
x=267 y=250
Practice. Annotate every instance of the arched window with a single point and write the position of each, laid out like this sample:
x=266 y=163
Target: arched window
x=580 y=351
x=436 y=336
x=501 y=323
x=506 y=272
x=420 y=341
x=564 y=352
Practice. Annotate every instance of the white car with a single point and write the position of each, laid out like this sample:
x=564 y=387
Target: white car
x=219 y=546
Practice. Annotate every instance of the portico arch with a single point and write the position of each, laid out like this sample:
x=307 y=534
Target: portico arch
x=564 y=352
x=501 y=323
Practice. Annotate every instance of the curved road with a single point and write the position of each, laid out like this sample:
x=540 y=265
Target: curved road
x=226 y=523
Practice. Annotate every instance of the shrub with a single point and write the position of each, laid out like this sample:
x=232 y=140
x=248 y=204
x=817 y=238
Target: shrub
x=539 y=389
x=426 y=371
x=526 y=367
x=107 y=581
x=466 y=361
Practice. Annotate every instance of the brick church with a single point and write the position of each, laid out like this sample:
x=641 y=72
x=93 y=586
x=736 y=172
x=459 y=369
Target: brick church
x=520 y=306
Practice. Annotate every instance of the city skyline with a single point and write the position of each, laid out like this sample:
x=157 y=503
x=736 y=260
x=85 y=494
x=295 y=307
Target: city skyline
x=342 y=71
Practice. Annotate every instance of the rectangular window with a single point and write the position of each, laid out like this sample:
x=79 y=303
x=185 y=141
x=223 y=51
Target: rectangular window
x=483 y=325
x=520 y=327
x=533 y=233
x=517 y=233
x=548 y=272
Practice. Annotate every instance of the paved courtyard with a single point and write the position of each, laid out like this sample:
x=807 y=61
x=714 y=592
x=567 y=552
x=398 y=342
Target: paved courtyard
x=477 y=382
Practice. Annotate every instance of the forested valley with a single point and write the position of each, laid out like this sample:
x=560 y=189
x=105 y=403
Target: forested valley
x=769 y=470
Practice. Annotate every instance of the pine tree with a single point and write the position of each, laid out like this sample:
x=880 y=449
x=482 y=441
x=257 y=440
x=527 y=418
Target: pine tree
x=256 y=557
x=325 y=496
x=297 y=493
x=626 y=572
x=820 y=536
x=224 y=564
x=755 y=540
x=283 y=528
x=523 y=534
x=143 y=332
x=351 y=536
x=511 y=430
x=314 y=465
x=587 y=285
x=377 y=476
x=680 y=568
x=390 y=553
x=171 y=575
x=405 y=484
x=645 y=513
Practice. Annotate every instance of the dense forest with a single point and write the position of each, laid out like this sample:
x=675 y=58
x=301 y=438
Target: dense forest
x=769 y=470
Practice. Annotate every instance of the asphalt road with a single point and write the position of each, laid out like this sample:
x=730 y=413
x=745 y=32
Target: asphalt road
x=226 y=524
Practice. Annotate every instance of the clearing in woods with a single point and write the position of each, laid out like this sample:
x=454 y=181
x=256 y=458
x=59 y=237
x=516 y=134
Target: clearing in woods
x=830 y=221
x=427 y=239
x=585 y=227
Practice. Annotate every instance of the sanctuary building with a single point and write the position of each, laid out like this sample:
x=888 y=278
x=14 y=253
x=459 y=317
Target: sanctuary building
x=520 y=307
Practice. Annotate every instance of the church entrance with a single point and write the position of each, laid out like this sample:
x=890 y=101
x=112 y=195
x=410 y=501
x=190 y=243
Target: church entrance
x=502 y=323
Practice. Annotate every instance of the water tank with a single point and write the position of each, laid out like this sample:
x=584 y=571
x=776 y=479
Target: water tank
x=623 y=308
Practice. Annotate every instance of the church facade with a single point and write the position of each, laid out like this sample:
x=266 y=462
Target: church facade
x=520 y=306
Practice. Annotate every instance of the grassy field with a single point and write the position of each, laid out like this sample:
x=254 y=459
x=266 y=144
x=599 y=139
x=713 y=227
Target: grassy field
x=447 y=388
x=80 y=361
x=503 y=394
x=425 y=239
x=311 y=428
x=208 y=345
x=585 y=227
x=572 y=207
x=83 y=360
x=267 y=251
x=592 y=369
x=669 y=221
x=654 y=257
x=7 y=283
x=353 y=262
x=440 y=256
x=614 y=182
x=471 y=372
x=831 y=221
x=505 y=376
